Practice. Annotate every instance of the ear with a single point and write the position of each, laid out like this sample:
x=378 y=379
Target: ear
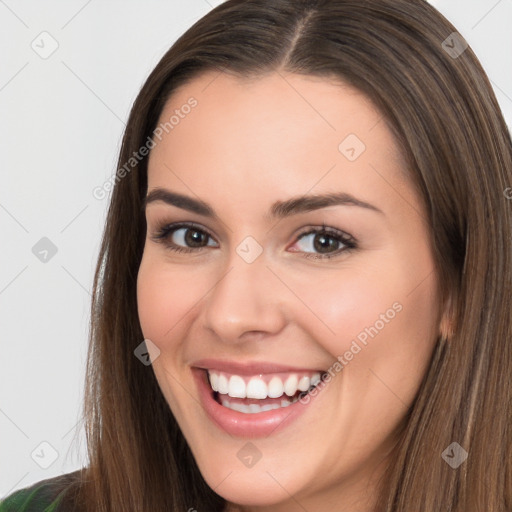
x=447 y=323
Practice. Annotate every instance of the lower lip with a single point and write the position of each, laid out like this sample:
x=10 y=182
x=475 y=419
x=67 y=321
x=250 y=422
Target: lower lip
x=235 y=423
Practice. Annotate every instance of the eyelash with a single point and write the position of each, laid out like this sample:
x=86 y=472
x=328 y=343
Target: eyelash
x=163 y=233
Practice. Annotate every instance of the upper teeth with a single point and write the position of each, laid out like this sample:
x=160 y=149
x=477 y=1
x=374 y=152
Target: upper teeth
x=272 y=386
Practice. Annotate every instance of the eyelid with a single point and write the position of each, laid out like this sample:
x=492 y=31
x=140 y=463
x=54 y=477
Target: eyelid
x=323 y=228
x=165 y=229
x=350 y=242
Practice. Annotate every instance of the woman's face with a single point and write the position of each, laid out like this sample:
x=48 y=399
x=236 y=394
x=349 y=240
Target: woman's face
x=254 y=301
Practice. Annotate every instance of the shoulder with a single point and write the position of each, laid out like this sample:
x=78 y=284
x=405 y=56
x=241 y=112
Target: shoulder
x=43 y=496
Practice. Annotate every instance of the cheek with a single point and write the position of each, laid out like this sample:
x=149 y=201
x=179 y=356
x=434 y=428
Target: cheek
x=164 y=298
x=374 y=316
x=342 y=305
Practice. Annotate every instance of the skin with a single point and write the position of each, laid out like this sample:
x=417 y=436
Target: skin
x=245 y=145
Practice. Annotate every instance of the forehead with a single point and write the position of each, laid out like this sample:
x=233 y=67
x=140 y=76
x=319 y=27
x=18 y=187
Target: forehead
x=273 y=136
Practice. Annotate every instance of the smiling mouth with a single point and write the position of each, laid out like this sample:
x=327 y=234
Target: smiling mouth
x=263 y=392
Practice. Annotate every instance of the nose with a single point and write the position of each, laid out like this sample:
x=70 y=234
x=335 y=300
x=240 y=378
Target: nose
x=247 y=302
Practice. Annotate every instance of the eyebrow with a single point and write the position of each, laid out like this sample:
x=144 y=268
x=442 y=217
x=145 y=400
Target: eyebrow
x=279 y=209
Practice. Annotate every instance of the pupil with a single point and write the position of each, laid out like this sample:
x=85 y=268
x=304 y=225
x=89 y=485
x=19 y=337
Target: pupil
x=324 y=242
x=194 y=238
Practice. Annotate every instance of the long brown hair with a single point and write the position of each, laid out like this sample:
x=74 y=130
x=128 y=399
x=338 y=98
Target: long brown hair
x=441 y=108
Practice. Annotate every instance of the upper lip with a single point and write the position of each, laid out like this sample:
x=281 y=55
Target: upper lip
x=247 y=368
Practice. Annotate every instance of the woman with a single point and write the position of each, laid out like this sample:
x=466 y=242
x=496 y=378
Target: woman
x=310 y=232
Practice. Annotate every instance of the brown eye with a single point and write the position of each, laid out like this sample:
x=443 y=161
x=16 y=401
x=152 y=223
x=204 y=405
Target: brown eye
x=190 y=237
x=326 y=242
x=183 y=237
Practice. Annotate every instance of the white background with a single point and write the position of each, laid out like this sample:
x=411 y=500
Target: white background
x=61 y=122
